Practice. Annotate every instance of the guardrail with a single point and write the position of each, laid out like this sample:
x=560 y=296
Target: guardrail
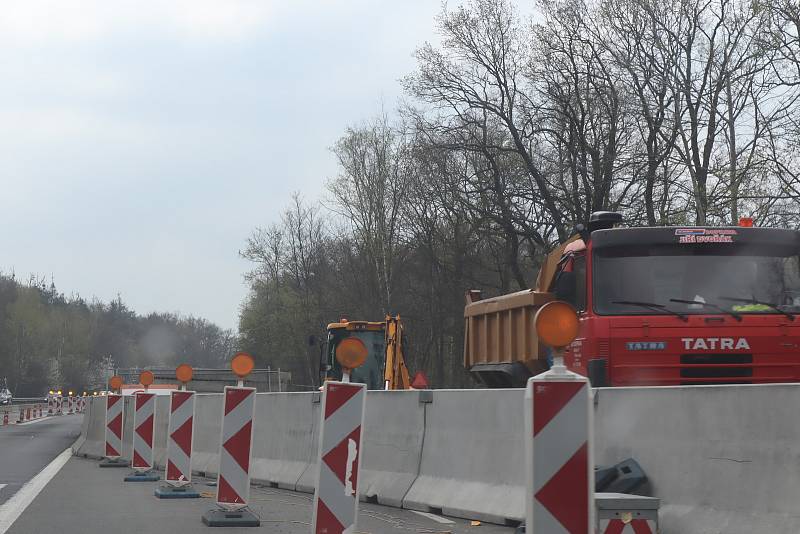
x=28 y=400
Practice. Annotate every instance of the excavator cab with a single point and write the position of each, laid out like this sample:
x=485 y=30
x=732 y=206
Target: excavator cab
x=384 y=367
x=372 y=335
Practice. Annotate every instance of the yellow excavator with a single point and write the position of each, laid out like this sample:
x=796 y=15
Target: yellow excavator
x=384 y=366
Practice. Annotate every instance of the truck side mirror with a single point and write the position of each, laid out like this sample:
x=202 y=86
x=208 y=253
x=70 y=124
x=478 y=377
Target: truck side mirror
x=323 y=357
x=565 y=287
x=323 y=360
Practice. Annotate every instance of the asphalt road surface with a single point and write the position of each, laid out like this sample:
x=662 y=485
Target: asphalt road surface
x=83 y=498
x=27 y=448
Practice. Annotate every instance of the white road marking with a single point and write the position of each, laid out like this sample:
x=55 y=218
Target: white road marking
x=434 y=517
x=13 y=507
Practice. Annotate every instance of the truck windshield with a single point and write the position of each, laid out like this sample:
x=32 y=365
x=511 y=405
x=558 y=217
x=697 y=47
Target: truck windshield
x=704 y=274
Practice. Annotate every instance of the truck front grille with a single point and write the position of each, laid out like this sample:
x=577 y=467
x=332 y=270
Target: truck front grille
x=717 y=366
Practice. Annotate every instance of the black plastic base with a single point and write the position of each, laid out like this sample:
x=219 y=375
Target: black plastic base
x=114 y=462
x=224 y=518
x=171 y=492
x=146 y=476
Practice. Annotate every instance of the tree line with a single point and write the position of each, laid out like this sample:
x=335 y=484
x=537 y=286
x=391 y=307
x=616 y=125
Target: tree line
x=515 y=129
x=52 y=341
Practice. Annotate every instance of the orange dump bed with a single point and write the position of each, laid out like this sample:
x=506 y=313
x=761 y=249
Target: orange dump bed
x=501 y=329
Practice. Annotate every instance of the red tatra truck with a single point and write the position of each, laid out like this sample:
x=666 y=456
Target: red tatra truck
x=658 y=306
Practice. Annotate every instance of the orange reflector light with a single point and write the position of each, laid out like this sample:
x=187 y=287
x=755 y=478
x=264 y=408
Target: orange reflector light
x=184 y=373
x=146 y=378
x=241 y=364
x=746 y=222
x=556 y=324
x=115 y=383
x=351 y=353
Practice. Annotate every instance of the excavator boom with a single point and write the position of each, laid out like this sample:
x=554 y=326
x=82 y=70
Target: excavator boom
x=395 y=374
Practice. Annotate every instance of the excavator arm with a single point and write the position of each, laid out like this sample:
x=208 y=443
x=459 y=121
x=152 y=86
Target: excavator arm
x=395 y=375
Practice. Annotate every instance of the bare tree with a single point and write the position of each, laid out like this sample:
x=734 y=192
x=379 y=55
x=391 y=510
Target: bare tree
x=371 y=192
x=475 y=84
x=631 y=32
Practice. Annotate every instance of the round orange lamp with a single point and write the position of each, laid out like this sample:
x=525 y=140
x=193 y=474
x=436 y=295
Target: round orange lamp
x=184 y=373
x=556 y=324
x=115 y=383
x=146 y=379
x=351 y=353
x=241 y=365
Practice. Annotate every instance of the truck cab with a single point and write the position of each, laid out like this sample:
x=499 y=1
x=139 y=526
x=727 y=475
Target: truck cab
x=682 y=305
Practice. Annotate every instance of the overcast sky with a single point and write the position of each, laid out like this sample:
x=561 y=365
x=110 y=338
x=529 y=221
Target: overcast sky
x=141 y=142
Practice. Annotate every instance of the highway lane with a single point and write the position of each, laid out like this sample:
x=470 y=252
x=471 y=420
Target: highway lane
x=83 y=499
x=27 y=448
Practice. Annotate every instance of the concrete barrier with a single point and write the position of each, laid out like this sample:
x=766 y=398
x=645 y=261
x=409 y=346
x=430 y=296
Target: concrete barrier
x=394 y=432
x=720 y=458
x=473 y=456
x=92 y=441
x=160 y=430
x=128 y=408
x=207 y=427
x=283 y=439
x=308 y=480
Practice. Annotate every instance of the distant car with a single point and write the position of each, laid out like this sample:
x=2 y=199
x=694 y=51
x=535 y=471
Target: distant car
x=5 y=396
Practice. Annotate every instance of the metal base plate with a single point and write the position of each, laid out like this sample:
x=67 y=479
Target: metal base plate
x=114 y=462
x=146 y=476
x=224 y=518
x=171 y=492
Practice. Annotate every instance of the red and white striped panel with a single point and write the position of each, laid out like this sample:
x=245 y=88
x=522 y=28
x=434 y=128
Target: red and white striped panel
x=143 y=424
x=635 y=526
x=114 y=408
x=50 y=405
x=70 y=405
x=560 y=493
x=339 y=459
x=179 y=444
x=60 y=405
x=5 y=418
x=233 y=483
